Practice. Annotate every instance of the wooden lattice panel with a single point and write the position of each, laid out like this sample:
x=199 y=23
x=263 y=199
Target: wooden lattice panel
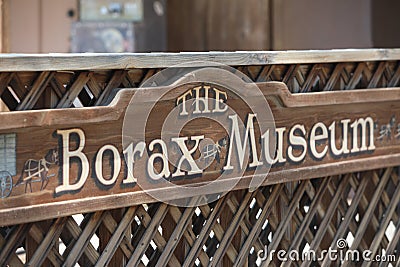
x=362 y=207
x=313 y=213
x=62 y=89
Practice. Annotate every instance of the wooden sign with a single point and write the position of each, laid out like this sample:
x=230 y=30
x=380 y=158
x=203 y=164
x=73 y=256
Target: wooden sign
x=63 y=161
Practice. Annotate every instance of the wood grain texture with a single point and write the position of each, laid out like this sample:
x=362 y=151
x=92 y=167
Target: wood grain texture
x=89 y=61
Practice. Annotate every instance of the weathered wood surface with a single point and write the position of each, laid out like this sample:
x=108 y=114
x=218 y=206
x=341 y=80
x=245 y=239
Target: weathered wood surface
x=321 y=211
x=37 y=134
x=90 y=61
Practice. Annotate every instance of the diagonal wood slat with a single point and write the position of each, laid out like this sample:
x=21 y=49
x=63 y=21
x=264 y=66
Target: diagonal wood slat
x=384 y=223
x=14 y=240
x=49 y=240
x=231 y=230
x=38 y=236
x=348 y=217
x=329 y=214
x=117 y=237
x=5 y=79
x=255 y=231
x=302 y=229
x=180 y=228
x=74 y=230
x=204 y=234
x=71 y=94
x=36 y=91
x=84 y=238
x=146 y=238
x=115 y=82
x=369 y=212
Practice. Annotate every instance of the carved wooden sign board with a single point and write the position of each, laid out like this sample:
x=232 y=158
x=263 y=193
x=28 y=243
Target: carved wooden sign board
x=59 y=162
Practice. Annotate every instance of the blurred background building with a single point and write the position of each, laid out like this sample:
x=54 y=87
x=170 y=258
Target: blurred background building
x=45 y=26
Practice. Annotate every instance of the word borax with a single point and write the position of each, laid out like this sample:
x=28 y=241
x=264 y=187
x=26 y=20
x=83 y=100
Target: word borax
x=338 y=138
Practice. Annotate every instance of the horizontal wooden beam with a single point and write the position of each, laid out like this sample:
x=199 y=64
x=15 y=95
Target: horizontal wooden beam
x=90 y=61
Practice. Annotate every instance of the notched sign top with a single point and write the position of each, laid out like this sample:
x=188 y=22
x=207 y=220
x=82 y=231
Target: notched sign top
x=78 y=160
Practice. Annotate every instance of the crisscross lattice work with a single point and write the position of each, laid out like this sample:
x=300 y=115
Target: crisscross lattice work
x=315 y=213
x=64 y=89
x=312 y=214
